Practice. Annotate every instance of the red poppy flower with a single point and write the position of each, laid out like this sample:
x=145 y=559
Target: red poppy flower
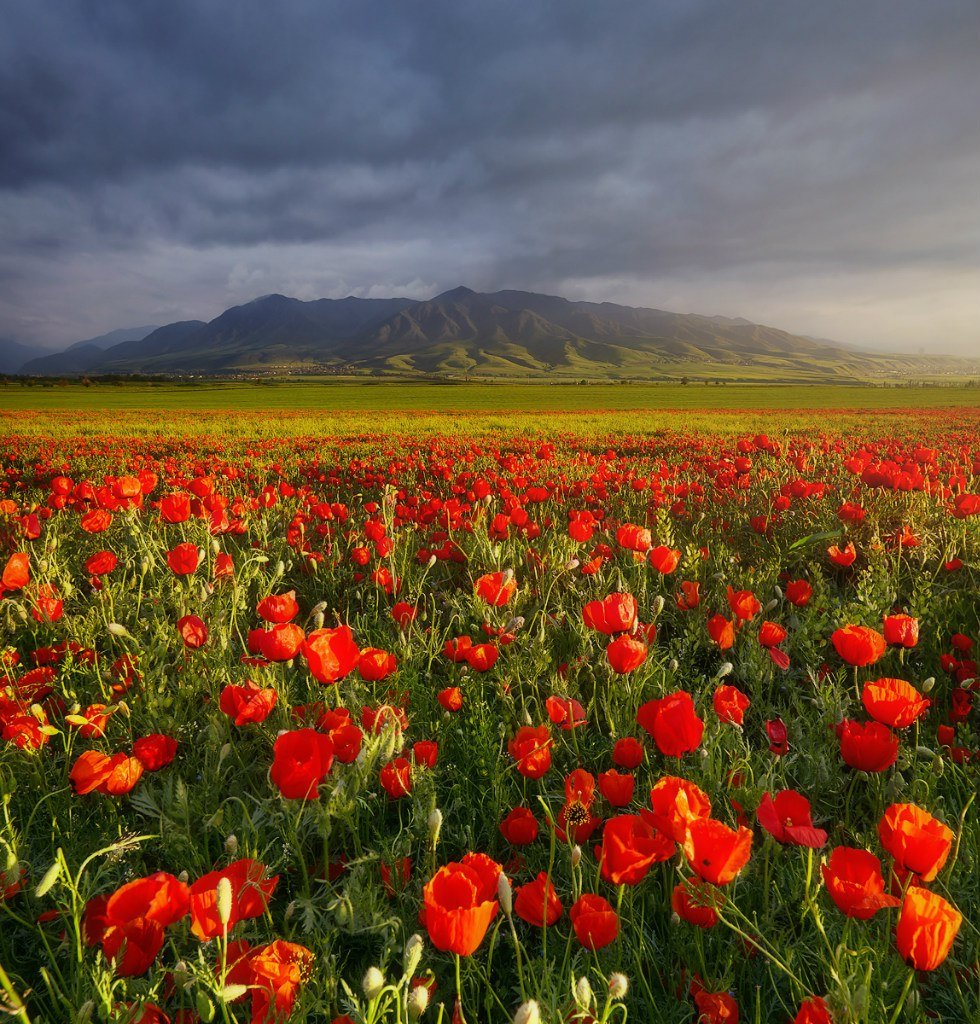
x=844 y=557
x=630 y=847
x=927 y=927
x=537 y=902
x=425 y=753
x=250 y=895
x=101 y=563
x=301 y=761
x=495 y=588
x=787 y=818
x=696 y=902
x=858 y=645
x=867 y=746
x=17 y=572
x=919 y=842
x=276 y=973
x=634 y=538
x=715 y=1007
x=617 y=789
x=730 y=704
x=594 y=921
x=778 y=737
x=854 y=882
x=721 y=631
x=330 y=653
x=247 y=704
x=799 y=592
x=743 y=603
x=565 y=712
x=396 y=778
x=677 y=803
x=282 y=642
x=459 y=902
x=771 y=634
x=482 y=657
x=716 y=852
x=531 y=749
x=451 y=698
x=893 y=702
x=615 y=613
x=184 y=559
x=628 y=752
x=626 y=653
x=673 y=723
x=901 y=630
x=520 y=827
x=374 y=664
x=813 y=1011
x=664 y=559
x=155 y=751
x=689 y=596
x=278 y=607
x=404 y=614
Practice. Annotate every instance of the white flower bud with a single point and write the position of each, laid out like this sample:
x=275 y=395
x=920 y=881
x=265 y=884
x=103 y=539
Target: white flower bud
x=572 y=563
x=224 y=900
x=117 y=629
x=435 y=824
x=231 y=845
x=658 y=605
x=618 y=985
x=412 y=955
x=432 y=561
x=583 y=993
x=724 y=669
x=673 y=665
x=928 y=684
x=372 y=983
x=418 y=1001
x=528 y=1013
x=576 y=855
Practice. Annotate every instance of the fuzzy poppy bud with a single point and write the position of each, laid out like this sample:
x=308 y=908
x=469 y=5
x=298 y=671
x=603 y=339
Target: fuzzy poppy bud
x=412 y=954
x=583 y=993
x=724 y=669
x=435 y=825
x=618 y=985
x=658 y=605
x=673 y=665
x=576 y=855
x=528 y=1013
x=224 y=900
x=50 y=877
x=418 y=1002
x=373 y=983
x=117 y=629
x=928 y=684
x=231 y=845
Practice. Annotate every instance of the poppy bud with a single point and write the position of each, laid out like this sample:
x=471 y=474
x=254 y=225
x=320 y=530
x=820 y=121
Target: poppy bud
x=505 y=894
x=724 y=670
x=412 y=955
x=576 y=855
x=115 y=629
x=183 y=877
x=224 y=900
x=572 y=563
x=85 y=1012
x=205 y=1008
x=418 y=1002
x=528 y=1013
x=231 y=845
x=232 y=992
x=435 y=825
x=583 y=992
x=318 y=620
x=618 y=985
x=223 y=753
x=658 y=605
x=373 y=983
x=50 y=877
x=673 y=665
x=928 y=684
x=432 y=561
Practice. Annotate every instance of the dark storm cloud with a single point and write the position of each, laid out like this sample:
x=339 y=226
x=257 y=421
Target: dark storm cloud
x=813 y=165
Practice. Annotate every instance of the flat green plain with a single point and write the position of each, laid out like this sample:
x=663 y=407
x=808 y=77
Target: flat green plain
x=386 y=396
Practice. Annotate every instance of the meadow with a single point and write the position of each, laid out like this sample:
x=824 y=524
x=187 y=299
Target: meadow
x=320 y=705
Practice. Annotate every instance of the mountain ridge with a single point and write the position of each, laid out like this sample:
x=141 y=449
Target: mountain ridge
x=462 y=332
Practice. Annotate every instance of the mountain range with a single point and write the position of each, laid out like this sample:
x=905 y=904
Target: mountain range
x=462 y=333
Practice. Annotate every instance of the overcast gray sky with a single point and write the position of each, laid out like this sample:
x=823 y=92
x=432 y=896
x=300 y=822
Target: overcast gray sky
x=810 y=165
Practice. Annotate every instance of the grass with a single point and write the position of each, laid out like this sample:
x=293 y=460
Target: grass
x=463 y=397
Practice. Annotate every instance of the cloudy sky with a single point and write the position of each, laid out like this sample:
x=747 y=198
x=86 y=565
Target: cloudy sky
x=814 y=166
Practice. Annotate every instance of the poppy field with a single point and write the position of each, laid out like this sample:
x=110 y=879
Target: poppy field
x=658 y=724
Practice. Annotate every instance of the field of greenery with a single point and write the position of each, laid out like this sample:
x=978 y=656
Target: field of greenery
x=663 y=715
